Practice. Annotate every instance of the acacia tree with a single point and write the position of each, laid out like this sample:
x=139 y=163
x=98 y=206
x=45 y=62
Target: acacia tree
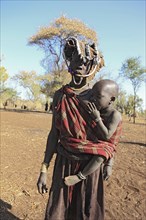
x=52 y=82
x=30 y=82
x=120 y=102
x=6 y=93
x=130 y=103
x=51 y=40
x=3 y=78
x=132 y=70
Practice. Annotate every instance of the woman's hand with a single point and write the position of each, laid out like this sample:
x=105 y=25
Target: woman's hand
x=41 y=184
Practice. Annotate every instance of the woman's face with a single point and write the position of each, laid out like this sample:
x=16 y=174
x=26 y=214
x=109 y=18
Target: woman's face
x=78 y=66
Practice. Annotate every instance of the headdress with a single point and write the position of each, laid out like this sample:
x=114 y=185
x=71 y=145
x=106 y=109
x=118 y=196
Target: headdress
x=82 y=59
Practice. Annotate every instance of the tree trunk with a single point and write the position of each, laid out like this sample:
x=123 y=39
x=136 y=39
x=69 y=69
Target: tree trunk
x=134 y=108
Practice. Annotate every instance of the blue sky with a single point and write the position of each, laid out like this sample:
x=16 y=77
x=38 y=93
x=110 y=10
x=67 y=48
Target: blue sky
x=120 y=26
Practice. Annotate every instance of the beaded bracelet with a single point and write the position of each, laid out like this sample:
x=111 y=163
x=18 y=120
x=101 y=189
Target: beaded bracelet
x=97 y=119
x=81 y=176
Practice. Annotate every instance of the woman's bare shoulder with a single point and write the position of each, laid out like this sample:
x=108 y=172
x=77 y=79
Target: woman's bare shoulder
x=57 y=96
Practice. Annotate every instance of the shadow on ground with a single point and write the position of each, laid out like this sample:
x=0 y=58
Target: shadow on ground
x=129 y=142
x=5 y=213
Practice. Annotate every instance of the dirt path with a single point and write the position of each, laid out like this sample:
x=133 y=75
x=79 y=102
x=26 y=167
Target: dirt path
x=23 y=140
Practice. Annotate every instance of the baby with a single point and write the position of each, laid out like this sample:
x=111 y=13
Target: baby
x=107 y=119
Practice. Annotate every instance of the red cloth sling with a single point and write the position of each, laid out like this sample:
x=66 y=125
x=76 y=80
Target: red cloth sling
x=77 y=133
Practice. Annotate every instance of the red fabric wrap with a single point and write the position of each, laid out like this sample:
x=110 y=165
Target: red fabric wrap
x=77 y=132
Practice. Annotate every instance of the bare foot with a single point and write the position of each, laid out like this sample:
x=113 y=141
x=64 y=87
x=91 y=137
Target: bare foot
x=71 y=180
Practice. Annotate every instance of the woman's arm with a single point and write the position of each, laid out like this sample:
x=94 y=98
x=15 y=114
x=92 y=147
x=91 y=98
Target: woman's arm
x=53 y=136
x=51 y=146
x=52 y=142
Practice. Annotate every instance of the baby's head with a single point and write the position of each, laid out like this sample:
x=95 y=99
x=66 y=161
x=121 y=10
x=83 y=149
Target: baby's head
x=107 y=85
x=104 y=93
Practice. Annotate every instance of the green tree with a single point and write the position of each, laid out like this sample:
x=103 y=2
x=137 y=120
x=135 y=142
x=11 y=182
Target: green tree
x=121 y=102
x=52 y=82
x=51 y=40
x=30 y=82
x=3 y=78
x=132 y=70
x=9 y=94
x=6 y=93
x=131 y=101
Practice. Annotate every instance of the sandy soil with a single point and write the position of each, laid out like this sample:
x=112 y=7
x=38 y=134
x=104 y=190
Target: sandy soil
x=23 y=140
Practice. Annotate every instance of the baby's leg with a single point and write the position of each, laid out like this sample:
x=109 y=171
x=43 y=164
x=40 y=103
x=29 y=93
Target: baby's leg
x=71 y=180
x=93 y=165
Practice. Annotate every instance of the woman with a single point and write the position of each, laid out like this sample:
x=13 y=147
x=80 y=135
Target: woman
x=85 y=200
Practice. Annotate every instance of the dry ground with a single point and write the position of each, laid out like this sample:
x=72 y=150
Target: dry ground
x=23 y=140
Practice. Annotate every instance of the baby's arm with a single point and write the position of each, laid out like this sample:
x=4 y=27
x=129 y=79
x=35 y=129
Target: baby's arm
x=92 y=165
x=105 y=131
